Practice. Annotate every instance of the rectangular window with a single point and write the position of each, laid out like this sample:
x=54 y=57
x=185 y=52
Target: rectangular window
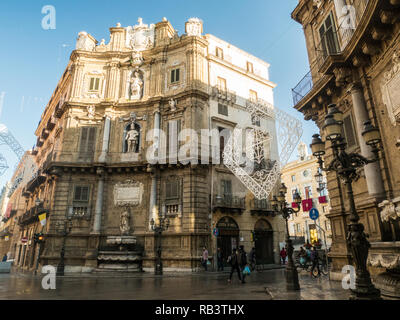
x=219 y=53
x=81 y=193
x=250 y=67
x=87 y=141
x=226 y=188
x=223 y=109
x=175 y=75
x=222 y=143
x=349 y=132
x=80 y=206
x=221 y=83
x=253 y=96
x=328 y=36
x=94 y=84
x=293 y=178
x=172 y=189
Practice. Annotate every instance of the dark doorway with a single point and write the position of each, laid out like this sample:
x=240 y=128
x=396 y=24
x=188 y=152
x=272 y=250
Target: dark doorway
x=263 y=235
x=228 y=238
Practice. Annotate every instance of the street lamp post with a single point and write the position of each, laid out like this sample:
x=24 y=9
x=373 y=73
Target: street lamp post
x=345 y=165
x=65 y=231
x=159 y=229
x=280 y=205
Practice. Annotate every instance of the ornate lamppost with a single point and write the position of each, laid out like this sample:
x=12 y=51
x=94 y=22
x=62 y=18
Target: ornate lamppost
x=163 y=225
x=281 y=206
x=346 y=166
x=66 y=229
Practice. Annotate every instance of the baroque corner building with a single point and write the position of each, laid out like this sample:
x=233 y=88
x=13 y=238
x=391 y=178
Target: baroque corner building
x=353 y=49
x=94 y=181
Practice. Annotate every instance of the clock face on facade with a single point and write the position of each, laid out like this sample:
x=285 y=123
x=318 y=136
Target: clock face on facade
x=305 y=173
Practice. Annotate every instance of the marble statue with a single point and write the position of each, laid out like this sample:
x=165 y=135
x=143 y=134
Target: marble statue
x=172 y=104
x=136 y=86
x=124 y=223
x=132 y=138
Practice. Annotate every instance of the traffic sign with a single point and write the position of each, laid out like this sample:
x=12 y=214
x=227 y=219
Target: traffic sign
x=314 y=214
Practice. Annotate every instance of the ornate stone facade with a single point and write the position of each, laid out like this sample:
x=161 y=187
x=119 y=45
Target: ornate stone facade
x=93 y=144
x=353 y=55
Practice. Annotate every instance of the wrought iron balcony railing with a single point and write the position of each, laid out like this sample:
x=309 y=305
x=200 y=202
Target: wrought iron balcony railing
x=302 y=88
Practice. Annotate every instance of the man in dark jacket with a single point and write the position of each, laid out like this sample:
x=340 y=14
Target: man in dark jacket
x=234 y=261
x=315 y=260
x=220 y=260
x=242 y=262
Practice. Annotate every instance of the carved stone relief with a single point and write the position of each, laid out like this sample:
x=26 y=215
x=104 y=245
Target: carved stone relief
x=140 y=37
x=85 y=42
x=390 y=89
x=128 y=194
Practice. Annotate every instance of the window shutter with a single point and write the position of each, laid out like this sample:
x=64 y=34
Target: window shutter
x=77 y=193
x=349 y=131
x=84 y=138
x=91 y=139
x=96 y=87
x=85 y=193
x=91 y=87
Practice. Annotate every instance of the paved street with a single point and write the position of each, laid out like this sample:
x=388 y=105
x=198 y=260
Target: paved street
x=199 y=286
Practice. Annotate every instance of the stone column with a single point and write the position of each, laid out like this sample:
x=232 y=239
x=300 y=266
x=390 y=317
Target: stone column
x=153 y=199
x=99 y=203
x=372 y=171
x=106 y=139
x=157 y=133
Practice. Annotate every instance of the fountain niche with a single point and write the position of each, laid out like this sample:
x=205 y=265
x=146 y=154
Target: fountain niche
x=121 y=253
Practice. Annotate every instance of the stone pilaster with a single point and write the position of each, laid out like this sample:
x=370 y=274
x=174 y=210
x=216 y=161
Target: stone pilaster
x=99 y=203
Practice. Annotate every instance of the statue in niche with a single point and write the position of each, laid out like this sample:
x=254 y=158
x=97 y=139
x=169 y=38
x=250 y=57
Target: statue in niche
x=172 y=104
x=136 y=86
x=132 y=138
x=132 y=133
x=124 y=223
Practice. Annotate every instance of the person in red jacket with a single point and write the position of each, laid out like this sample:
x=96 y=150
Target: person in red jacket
x=283 y=255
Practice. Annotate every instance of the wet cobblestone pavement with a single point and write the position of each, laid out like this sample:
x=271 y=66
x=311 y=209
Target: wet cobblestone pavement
x=265 y=285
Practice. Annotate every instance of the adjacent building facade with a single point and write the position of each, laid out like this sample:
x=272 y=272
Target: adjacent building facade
x=300 y=176
x=353 y=49
x=112 y=154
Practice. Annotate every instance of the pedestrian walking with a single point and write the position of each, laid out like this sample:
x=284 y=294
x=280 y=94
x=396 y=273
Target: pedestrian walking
x=242 y=262
x=233 y=260
x=204 y=258
x=220 y=260
x=315 y=260
x=283 y=255
x=303 y=257
x=252 y=259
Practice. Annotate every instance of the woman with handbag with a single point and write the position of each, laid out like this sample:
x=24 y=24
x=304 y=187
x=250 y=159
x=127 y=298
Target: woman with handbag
x=204 y=258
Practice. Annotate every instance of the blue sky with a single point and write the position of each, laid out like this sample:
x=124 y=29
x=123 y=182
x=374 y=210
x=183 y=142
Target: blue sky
x=32 y=59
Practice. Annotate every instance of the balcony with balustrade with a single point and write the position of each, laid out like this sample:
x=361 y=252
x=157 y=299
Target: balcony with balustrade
x=335 y=44
x=229 y=204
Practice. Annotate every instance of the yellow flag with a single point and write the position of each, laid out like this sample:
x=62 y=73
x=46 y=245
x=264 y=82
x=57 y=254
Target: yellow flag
x=42 y=219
